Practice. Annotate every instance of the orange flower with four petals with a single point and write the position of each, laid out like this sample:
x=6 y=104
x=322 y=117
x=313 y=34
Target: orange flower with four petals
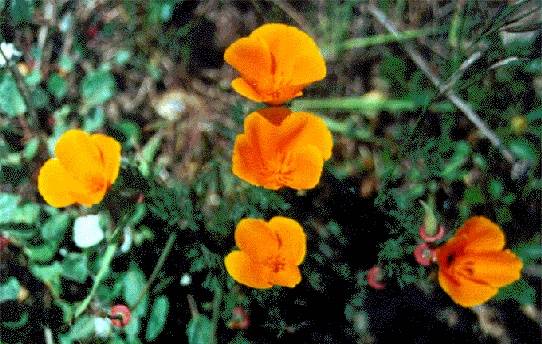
x=270 y=253
x=83 y=170
x=282 y=148
x=473 y=265
x=276 y=63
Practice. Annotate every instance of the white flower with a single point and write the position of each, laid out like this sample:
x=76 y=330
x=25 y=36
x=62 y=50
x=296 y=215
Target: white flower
x=9 y=51
x=87 y=231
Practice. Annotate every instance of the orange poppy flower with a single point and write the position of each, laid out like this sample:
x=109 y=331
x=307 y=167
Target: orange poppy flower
x=270 y=253
x=282 y=148
x=276 y=62
x=473 y=265
x=83 y=170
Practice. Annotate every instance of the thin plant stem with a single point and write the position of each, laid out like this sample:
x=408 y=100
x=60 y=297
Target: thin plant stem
x=157 y=268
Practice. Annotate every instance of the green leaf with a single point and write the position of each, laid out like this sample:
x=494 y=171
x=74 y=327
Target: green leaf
x=42 y=253
x=26 y=214
x=134 y=282
x=10 y=289
x=31 y=148
x=34 y=78
x=94 y=119
x=83 y=328
x=57 y=85
x=524 y=150
x=74 y=267
x=21 y=11
x=11 y=101
x=50 y=275
x=200 y=330
x=8 y=206
x=158 y=318
x=55 y=227
x=520 y=291
x=97 y=87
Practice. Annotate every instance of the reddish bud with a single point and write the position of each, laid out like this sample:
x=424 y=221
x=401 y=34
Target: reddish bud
x=4 y=242
x=120 y=315
x=423 y=254
x=431 y=238
x=240 y=319
x=374 y=278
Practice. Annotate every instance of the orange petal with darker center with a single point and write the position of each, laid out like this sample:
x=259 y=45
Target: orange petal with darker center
x=298 y=60
x=288 y=276
x=256 y=239
x=494 y=268
x=302 y=168
x=245 y=271
x=292 y=239
x=465 y=292
x=80 y=157
x=110 y=156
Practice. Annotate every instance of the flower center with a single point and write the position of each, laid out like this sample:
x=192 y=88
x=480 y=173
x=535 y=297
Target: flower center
x=276 y=263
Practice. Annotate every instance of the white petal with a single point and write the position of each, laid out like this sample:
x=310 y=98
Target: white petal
x=87 y=231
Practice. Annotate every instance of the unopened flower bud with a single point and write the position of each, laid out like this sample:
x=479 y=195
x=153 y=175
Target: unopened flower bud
x=120 y=315
x=374 y=278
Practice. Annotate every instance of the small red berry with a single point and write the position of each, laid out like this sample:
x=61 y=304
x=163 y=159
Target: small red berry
x=120 y=311
x=423 y=254
x=428 y=238
x=374 y=278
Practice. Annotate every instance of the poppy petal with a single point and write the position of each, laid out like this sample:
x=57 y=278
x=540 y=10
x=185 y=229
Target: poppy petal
x=246 y=90
x=309 y=67
x=256 y=239
x=494 y=268
x=79 y=155
x=305 y=128
x=465 y=292
x=110 y=152
x=247 y=162
x=55 y=183
x=292 y=239
x=243 y=270
x=252 y=59
x=481 y=235
x=303 y=168
x=288 y=276
x=290 y=48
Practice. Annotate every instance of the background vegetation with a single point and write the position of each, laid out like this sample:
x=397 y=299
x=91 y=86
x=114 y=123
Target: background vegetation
x=151 y=74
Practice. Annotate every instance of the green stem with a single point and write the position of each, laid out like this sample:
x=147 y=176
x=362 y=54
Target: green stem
x=159 y=264
x=365 y=42
x=102 y=273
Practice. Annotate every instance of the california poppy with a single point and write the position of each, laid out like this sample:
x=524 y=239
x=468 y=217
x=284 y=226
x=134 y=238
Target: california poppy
x=473 y=265
x=83 y=170
x=282 y=148
x=276 y=63
x=270 y=253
